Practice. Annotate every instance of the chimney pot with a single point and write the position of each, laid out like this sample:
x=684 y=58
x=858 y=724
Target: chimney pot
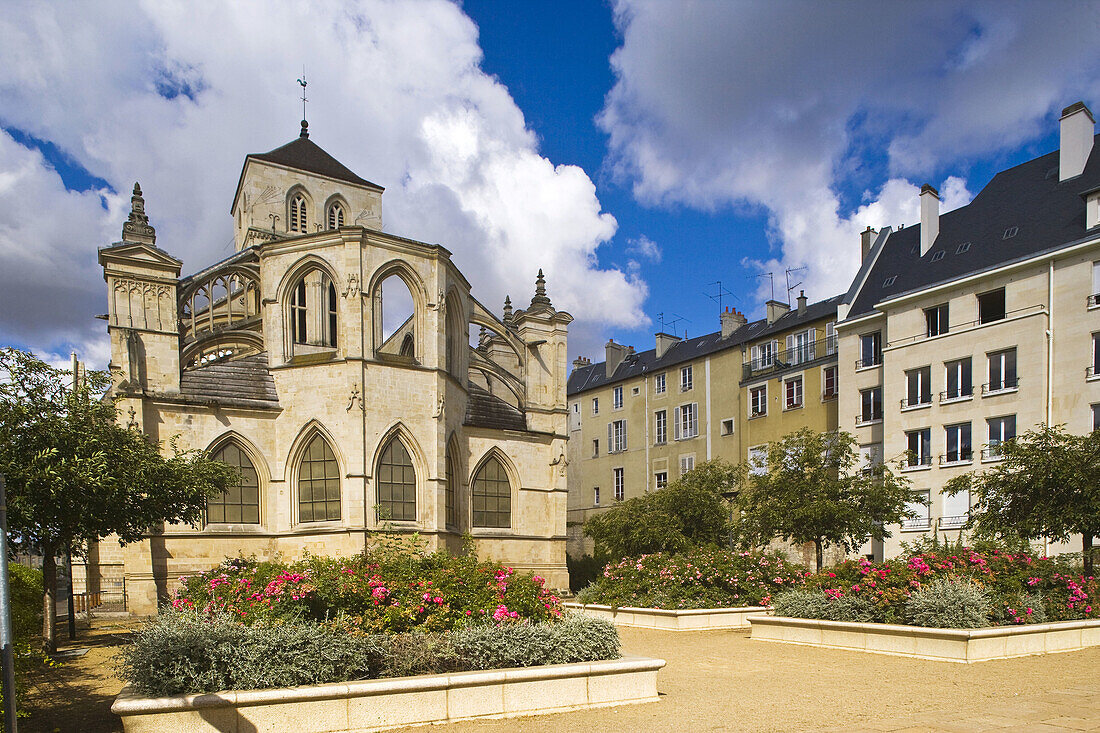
x=802 y=302
x=665 y=341
x=929 y=217
x=776 y=310
x=1076 y=133
x=866 y=240
x=731 y=321
x=615 y=353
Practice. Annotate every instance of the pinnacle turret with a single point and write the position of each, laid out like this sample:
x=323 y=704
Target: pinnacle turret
x=540 y=301
x=136 y=228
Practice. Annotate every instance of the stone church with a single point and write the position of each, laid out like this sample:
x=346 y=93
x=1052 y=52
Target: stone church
x=344 y=418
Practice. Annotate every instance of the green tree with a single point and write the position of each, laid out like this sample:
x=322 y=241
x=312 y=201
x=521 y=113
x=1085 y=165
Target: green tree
x=813 y=490
x=689 y=512
x=1046 y=485
x=74 y=475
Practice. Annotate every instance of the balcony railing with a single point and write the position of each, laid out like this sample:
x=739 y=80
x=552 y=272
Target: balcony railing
x=785 y=358
x=964 y=393
x=867 y=419
x=829 y=394
x=955 y=522
x=992 y=453
x=953 y=459
x=922 y=401
x=1093 y=301
x=918 y=461
x=915 y=525
x=1006 y=385
x=872 y=362
x=1091 y=372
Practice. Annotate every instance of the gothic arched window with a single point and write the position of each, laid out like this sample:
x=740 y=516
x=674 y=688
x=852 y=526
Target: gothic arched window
x=449 y=500
x=318 y=483
x=297 y=220
x=313 y=310
x=240 y=504
x=396 y=483
x=492 y=496
x=335 y=215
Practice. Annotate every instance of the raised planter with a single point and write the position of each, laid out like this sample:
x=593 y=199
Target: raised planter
x=696 y=619
x=951 y=645
x=370 y=705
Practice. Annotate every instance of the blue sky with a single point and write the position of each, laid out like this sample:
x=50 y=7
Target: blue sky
x=637 y=150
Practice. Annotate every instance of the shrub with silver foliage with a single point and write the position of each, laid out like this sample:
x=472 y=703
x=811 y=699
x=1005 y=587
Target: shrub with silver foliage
x=575 y=639
x=817 y=605
x=949 y=603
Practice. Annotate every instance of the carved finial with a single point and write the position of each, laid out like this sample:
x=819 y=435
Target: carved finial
x=136 y=228
x=305 y=129
x=540 y=301
x=483 y=338
x=507 y=310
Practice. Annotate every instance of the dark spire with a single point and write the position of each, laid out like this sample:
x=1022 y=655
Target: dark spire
x=137 y=228
x=508 y=311
x=305 y=129
x=540 y=301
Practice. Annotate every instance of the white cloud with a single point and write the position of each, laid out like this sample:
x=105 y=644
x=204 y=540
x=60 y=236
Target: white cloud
x=644 y=247
x=773 y=105
x=174 y=94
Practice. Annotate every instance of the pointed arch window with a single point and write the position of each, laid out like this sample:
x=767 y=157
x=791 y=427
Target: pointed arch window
x=240 y=504
x=335 y=215
x=396 y=483
x=313 y=310
x=297 y=219
x=449 y=500
x=318 y=483
x=492 y=496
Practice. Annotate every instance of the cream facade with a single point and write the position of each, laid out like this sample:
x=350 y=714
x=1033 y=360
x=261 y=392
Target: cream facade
x=281 y=360
x=640 y=420
x=952 y=343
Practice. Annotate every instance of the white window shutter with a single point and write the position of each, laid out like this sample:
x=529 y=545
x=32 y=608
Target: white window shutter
x=610 y=437
x=676 y=422
x=624 y=435
x=755 y=357
x=694 y=418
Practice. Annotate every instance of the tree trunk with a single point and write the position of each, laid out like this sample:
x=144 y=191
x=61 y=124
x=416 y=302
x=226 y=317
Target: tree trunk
x=49 y=602
x=820 y=547
x=1086 y=553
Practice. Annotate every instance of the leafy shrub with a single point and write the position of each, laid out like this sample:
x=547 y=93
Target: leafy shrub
x=701 y=578
x=818 y=604
x=583 y=571
x=949 y=603
x=25 y=585
x=183 y=652
x=1019 y=608
x=394 y=591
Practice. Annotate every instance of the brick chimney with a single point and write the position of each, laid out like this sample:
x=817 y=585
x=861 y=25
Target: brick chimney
x=866 y=239
x=929 y=218
x=1077 y=132
x=801 y=302
x=665 y=341
x=776 y=310
x=732 y=319
x=581 y=361
x=615 y=353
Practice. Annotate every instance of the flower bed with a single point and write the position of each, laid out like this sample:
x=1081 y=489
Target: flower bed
x=698 y=579
x=696 y=619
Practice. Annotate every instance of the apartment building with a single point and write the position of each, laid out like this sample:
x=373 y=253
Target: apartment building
x=639 y=420
x=977 y=325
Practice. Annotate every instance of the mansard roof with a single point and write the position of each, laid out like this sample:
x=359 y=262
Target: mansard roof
x=1023 y=212
x=594 y=376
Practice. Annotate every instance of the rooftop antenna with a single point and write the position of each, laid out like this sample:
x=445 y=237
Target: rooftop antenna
x=771 y=281
x=668 y=325
x=787 y=274
x=303 y=82
x=721 y=292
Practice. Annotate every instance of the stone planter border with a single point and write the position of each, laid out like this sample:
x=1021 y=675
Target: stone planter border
x=383 y=704
x=951 y=645
x=696 y=619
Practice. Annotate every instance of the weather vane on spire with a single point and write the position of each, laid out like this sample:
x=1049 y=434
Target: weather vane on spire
x=303 y=82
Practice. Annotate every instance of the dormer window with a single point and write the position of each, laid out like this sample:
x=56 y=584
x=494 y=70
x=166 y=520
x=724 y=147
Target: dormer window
x=313 y=310
x=297 y=219
x=335 y=216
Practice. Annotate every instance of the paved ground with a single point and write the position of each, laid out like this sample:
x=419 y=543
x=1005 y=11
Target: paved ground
x=720 y=681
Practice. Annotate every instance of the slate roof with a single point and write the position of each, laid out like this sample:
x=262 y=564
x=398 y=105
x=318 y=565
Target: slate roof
x=306 y=155
x=594 y=376
x=242 y=381
x=484 y=410
x=1047 y=214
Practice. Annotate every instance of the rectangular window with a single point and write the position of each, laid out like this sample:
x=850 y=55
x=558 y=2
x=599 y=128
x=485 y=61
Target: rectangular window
x=956 y=510
x=1092 y=370
x=870 y=457
x=758 y=401
x=660 y=479
x=1094 y=297
x=991 y=306
x=763 y=355
x=1002 y=371
x=616 y=398
x=686 y=418
x=958 y=443
x=617 y=478
x=595 y=405
x=919 y=445
x=870 y=349
x=1095 y=417
x=830 y=337
x=870 y=403
x=959 y=379
x=595 y=448
x=635 y=391
x=829 y=383
x=936 y=320
x=687 y=463
x=685 y=378
x=1000 y=430
x=793 y=390
x=596 y=495
x=800 y=347
x=918 y=513
x=918 y=387
x=616 y=436
x=758 y=460
x=659 y=384
x=660 y=427
x=727 y=426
